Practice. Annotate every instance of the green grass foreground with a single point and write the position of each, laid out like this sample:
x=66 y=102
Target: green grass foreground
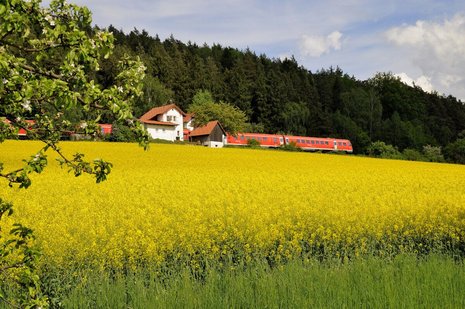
x=404 y=282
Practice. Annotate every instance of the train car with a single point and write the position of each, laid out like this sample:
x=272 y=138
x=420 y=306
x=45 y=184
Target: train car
x=319 y=143
x=343 y=145
x=265 y=140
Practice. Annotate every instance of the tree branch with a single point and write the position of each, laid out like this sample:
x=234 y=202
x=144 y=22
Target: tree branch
x=46 y=74
x=34 y=50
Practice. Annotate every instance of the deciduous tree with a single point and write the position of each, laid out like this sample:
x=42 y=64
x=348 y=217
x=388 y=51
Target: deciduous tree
x=48 y=63
x=205 y=109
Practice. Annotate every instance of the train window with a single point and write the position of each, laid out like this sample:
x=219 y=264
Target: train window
x=247 y=138
x=287 y=140
x=313 y=142
x=298 y=140
x=259 y=138
x=275 y=140
x=242 y=137
x=317 y=142
x=326 y=143
x=281 y=140
x=344 y=143
x=265 y=139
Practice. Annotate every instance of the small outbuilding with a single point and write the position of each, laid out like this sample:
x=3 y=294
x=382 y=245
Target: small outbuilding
x=212 y=135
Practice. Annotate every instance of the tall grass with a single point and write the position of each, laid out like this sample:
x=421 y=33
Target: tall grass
x=404 y=282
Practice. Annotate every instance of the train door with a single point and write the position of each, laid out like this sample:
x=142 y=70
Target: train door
x=335 y=145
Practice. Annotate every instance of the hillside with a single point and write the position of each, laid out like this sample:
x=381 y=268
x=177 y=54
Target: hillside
x=282 y=96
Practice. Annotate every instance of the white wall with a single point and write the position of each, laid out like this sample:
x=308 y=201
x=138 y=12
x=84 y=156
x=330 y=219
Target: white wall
x=168 y=133
x=162 y=132
x=214 y=144
x=190 y=124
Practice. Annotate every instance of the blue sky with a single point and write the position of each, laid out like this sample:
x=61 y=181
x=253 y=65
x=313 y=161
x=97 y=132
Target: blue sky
x=421 y=41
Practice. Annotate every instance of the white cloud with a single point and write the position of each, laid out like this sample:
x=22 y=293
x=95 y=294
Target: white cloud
x=423 y=81
x=315 y=46
x=437 y=49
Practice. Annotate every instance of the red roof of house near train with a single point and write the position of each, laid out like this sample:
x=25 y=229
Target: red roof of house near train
x=188 y=117
x=21 y=131
x=206 y=129
x=150 y=116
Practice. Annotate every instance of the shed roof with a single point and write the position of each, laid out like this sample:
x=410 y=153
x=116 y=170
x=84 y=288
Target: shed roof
x=207 y=129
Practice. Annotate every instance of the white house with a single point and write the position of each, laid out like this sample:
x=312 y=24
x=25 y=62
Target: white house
x=189 y=122
x=164 y=122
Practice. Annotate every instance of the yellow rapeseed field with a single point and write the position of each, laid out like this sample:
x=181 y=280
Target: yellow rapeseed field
x=195 y=205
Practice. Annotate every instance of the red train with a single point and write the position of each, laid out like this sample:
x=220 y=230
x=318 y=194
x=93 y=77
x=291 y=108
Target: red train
x=303 y=142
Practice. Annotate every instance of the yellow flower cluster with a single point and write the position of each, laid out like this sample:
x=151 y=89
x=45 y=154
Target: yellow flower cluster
x=195 y=205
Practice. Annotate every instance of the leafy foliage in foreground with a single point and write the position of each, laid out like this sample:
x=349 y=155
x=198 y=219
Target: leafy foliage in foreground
x=49 y=58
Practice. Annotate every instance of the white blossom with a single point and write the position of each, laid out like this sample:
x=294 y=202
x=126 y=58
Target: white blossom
x=27 y=105
x=36 y=157
x=50 y=20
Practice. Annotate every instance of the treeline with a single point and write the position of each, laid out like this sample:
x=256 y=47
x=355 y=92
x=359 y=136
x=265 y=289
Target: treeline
x=280 y=96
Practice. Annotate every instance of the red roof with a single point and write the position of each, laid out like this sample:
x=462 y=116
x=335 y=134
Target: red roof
x=161 y=123
x=188 y=117
x=21 y=131
x=106 y=128
x=206 y=129
x=154 y=112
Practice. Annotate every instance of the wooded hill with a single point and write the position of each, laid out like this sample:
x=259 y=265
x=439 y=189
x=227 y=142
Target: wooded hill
x=282 y=96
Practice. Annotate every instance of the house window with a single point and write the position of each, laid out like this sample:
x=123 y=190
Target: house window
x=170 y=118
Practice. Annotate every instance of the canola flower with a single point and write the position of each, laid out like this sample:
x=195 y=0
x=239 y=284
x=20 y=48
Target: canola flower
x=194 y=206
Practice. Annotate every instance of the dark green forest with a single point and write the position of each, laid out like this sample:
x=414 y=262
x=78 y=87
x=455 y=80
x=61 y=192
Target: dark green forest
x=281 y=96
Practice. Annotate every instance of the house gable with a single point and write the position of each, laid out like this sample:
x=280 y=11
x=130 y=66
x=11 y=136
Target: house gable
x=164 y=122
